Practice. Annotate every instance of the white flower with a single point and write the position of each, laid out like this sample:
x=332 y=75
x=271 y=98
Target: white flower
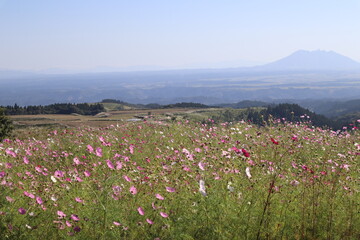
x=202 y=188
x=53 y=179
x=247 y=171
x=229 y=187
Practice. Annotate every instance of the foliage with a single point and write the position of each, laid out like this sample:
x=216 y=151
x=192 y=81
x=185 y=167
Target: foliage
x=58 y=108
x=181 y=181
x=5 y=125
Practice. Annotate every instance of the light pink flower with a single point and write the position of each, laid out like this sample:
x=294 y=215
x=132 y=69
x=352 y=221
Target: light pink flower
x=141 y=211
x=109 y=164
x=158 y=196
x=201 y=166
x=75 y=217
x=61 y=214
x=98 y=152
x=149 y=221
x=164 y=215
x=133 y=190
x=170 y=189
x=79 y=200
x=116 y=223
x=127 y=178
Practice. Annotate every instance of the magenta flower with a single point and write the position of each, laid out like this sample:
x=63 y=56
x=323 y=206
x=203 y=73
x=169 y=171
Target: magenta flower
x=164 y=215
x=116 y=223
x=22 y=211
x=39 y=200
x=79 y=200
x=141 y=211
x=133 y=190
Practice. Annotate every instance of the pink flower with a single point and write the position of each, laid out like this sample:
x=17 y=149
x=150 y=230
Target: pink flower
x=59 y=174
x=98 y=152
x=26 y=160
x=116 y=223
x=30 y=195
x=90 y=148
x=141 y=211
x=149 y=221
x=79 y=200
x=22 y=211
x=127 y=178
x=201 y=166
x=77 y=161
x=158 y=196
x=170 y=189
x=61 y=214
x=39 y=200
x=133 y=190
x=75 y=217
x=109 y=164
x=164 y=215
x=87 y=174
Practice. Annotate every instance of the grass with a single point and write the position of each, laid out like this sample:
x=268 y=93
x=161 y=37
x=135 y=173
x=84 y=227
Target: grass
x=180 y=180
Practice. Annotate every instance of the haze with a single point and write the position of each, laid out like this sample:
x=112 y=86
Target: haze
x=116 y=35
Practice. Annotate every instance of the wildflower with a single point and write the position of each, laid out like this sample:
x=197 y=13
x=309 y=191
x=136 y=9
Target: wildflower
x=22 y=211
x=116 y=223
x=9 y=199
x=61 y=214
x=164 y=215
x=133 y=190
x=149 y=221
x=158 y=196
x=39 y=200
x=75 y=217
x=109 y=164
x=202 y=188
x=246 y=153
x=141 y=211
x=274 y=141
x=53 y=179
x=79 y=200
x=201 y=166
x=247 y=171
x=170 y=189
x=127 y=178
x=98 y=152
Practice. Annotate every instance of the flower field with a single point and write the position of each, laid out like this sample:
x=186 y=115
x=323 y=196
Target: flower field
x=181 y=181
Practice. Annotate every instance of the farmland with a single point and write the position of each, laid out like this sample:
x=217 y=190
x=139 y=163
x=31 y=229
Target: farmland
x=179 y=180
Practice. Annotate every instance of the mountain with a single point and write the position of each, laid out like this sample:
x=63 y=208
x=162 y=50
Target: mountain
x=313 y=60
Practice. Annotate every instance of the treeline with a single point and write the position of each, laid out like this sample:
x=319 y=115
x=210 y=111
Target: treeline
x=58 y=108
x=158 y=106
x=284 y=112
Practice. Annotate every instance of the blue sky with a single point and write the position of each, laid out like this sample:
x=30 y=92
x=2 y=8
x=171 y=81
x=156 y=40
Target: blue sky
x=88 y=34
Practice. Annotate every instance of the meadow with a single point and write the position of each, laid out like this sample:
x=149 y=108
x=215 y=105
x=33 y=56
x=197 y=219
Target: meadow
x=181 y=180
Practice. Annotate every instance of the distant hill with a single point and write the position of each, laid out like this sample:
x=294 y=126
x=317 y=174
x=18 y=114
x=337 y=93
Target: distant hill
x=313 y=60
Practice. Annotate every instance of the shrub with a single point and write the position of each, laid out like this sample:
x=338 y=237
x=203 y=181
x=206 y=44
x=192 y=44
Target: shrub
x=5 y=125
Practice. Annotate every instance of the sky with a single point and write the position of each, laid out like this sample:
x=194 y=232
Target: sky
x=106 y=34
